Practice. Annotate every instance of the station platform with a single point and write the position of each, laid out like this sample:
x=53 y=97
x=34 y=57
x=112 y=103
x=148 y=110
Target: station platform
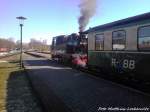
x=63 y=89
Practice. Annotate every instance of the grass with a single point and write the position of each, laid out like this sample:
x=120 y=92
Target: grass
x=6 y=68
x=16 y=94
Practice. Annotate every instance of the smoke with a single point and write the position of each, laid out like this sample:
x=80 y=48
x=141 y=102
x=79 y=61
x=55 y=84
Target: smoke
x=87 y=10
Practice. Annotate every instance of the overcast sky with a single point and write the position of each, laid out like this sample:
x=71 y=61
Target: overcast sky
x=48 y=18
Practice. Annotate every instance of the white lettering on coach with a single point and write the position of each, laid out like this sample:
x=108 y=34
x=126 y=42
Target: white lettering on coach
x=126 y=64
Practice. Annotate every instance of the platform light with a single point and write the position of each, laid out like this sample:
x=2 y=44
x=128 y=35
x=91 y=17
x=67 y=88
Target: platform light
x=21 y=22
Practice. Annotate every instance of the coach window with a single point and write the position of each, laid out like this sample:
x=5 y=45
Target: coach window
x=144 y=38
x=99 y=42
x=118 y=40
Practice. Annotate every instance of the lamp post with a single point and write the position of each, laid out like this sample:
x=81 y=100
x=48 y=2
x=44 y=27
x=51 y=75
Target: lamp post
x=21 y=20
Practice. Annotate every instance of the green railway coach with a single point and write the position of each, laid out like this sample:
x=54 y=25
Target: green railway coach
x=121 y=47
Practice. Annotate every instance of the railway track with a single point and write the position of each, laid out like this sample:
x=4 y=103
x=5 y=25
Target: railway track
x=122 y=81
x=39 y=54
x=9 y=55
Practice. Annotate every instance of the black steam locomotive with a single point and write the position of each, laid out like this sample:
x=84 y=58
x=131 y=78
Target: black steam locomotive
x=71 y=49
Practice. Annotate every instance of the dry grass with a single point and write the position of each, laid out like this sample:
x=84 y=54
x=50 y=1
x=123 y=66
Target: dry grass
x=5 y=69
x=16 y=94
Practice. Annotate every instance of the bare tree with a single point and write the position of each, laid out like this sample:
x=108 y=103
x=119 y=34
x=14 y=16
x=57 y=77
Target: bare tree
x=7 y=43
x=39 y=45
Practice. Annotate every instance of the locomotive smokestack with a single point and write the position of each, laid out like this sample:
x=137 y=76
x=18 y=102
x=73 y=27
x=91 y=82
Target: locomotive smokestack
x=87 y=10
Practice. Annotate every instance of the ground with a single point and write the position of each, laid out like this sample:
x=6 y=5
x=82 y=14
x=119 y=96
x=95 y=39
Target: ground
x=16 y=94
x=63 y=89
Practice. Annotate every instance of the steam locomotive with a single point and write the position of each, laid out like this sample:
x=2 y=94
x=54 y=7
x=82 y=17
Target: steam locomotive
x=121 y=47
x=71 y=49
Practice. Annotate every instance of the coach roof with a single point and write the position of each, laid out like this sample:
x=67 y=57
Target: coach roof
x=130 y=20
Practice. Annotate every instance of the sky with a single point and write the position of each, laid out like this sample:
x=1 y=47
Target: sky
x=49 y=18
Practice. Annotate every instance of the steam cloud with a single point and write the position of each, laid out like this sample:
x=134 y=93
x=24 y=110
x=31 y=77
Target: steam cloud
x=87 y=10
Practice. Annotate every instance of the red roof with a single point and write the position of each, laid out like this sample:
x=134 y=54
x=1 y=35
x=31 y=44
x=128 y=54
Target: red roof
x=3 y=49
